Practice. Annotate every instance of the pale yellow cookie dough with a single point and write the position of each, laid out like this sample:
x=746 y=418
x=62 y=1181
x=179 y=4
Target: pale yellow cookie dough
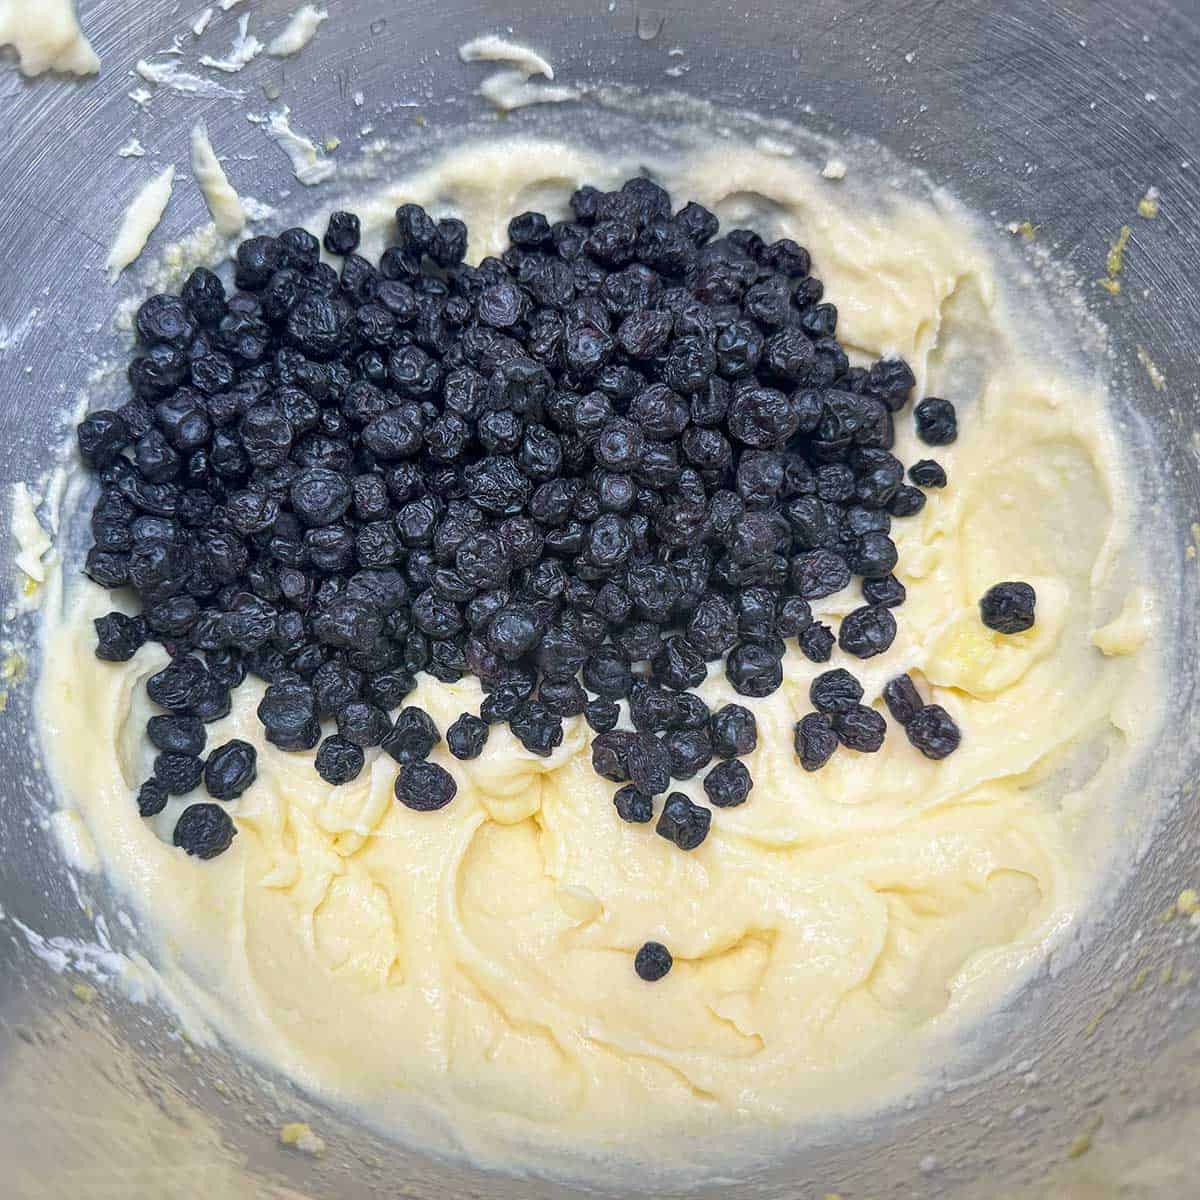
x=466 y=977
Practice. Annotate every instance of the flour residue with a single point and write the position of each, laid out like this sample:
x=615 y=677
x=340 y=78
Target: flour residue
x=223 y=201
x=47 y=37
x=140 y=220
x=511 y=87
x=245 y=48
x=170 y=74
x=299 y=31
x=309 y=165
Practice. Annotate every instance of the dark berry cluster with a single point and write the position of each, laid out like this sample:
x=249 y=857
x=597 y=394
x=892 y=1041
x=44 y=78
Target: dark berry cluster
x=585 y=472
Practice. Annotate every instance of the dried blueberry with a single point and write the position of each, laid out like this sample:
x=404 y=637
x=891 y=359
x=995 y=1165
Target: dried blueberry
x=690 y=751
x=860 y=728
x=412 y=736
x=835 y=691
x=927 y=474
x=204 y=830
x=230 y=769
x=538 y=730
x=180 y=735
x=601 y=715
x=363 y=723
x=887 y=591
x=151 y=797
x=652 y=961
x=815 y=741
x=424 y=786
x=937 y=422
x=682 y=822
x=728 y=784
x=288 y=713
x=339 y=761
x=633 y=805
x=867 y=631
x=178 y=773
x=902 y=698
x=119 y=637
x=466 y=736
x=1008 y=607
x=933 y=731
x=734 y=731
x=753 y=670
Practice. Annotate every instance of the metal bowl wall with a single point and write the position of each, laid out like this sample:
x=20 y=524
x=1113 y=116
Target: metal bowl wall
x=1061 y=115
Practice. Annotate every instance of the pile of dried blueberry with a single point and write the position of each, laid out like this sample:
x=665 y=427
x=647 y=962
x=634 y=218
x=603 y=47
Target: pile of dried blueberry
x=622 y=454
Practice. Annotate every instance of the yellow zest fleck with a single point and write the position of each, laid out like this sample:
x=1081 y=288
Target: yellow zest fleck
x=1116 y=252
x=1111 y=286
x=84 y=992
x=300 y=1135
x=14 y=668
x=29 y=586
x=1188 y=902
x=1148 y=204
x=332 y=143
x=1027 y=230
x=1153 y=371
x=1083 y=1143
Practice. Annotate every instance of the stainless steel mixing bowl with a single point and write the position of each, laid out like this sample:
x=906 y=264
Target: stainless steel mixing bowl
x=1061 y=115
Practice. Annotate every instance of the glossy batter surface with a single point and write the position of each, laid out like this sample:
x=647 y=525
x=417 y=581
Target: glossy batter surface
x=465 y=977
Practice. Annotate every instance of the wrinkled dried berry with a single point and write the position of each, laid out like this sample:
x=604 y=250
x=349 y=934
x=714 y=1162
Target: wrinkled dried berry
x=204 y=830
x=734 y=731
x=342 y=233
x=682 y=822
x=178 y=773
x=860 y=728
x=867 y=631
x=815 y=741
x=728 y=784
x=1008 y=607
x=648 y=763
x=179 y=735
x=538 y=730
x=363 y=723
x=602 y=715
x=887 y=591
x=927 y=474
x=937 y=422
x=753 y=670
x=902 y=698
x=339 y=761
x=424 y=786
x=633 y=805
x=817 y=642
x=152 y=797
x=835 y=691
x=119 y=637
x=610 y=754
x=288 y=713
x=467 y=736
x=690 y=751
x=933 y=731
x=230 y=769
x=412 y=736
x=652 y=961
